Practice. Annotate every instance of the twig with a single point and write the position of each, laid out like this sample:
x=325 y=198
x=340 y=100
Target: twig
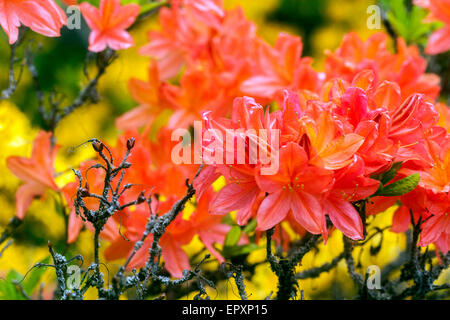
x=9 y=243
x=316 y=272
x=89 y=92
x=13 y=80
x=236 y=273
x=12 y=225
x=284 y=268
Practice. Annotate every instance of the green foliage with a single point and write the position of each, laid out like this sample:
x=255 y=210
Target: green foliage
x=233 y=236
x=250 y=227
x=240 y=250
x=231 y=247
x=9 y=287
x=34 y=277
x=407 y=20
x=400 y=187
x=397 y=188
x=387 y=176
x=8 y=290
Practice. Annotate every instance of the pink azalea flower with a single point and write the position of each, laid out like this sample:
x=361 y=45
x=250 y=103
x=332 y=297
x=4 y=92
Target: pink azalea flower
x=439 y=41
x=109 y=24
x=41 y=16
x=37 y=172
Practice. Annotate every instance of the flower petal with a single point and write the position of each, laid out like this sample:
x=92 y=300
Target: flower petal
x=273 y=210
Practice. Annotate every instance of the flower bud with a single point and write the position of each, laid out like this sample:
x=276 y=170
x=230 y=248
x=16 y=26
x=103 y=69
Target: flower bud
x=141 y=198
x=130 y=143
x=98 y=146
x=83 y=192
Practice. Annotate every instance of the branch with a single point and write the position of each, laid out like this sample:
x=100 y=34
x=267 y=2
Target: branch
x=60 y=265
x=10 y=227
x=13 y=81
x=236 y=273
x=89 y=92
x=159 y=227
x=284 y=268
x=358 y=279
x=8 y=244
x=316 y=272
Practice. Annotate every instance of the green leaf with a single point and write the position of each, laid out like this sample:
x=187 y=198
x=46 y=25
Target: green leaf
x=233 y=236
x=228 y=220
x=408 y=23
x=34 y=277
x=391 y=173
x=149 y=6
x=240 y=250
x=400 y=187
x=8 y=289
x=250 y=227
x=387 y=176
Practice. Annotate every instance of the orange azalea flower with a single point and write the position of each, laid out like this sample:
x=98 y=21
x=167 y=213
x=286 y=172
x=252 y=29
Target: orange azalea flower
x=410 y=68
x=209 y=227
x=41 y=16
x=350 y=185
x=179 y=40
x=280 y=68
x=150 y=96
x=411 y=119
x=444 y=119
x=217 y=62
x=169 y=178
x=197 y=93
x=328 y=140
x=108 y=24
x=296 y=189
x=233 y=49
x=37 y=172
x=378 y=151
x=436 y=175
x=439 y=41
x=430 y=200
x=406 y=67
x=331 y=148
x=209 y=12
x=392 y=129
x=241 y=191
x=434 y=211
x=437 y=228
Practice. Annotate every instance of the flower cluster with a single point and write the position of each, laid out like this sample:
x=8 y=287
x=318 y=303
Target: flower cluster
x=350 y=135
x=339 y=128
x=108 y=23
x=331 y=153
